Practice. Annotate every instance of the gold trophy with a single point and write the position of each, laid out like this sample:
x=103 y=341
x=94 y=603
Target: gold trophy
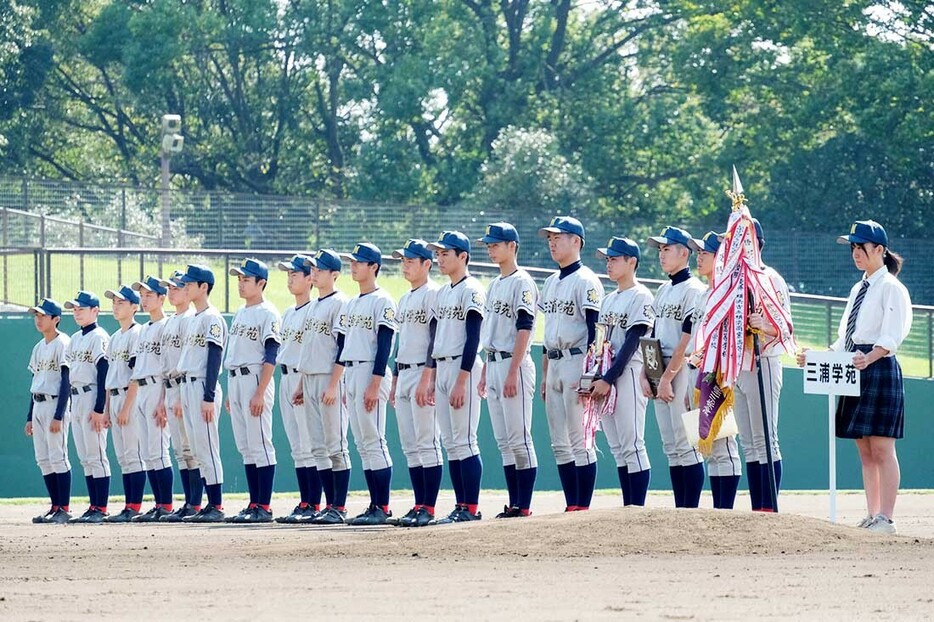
x=594 y=359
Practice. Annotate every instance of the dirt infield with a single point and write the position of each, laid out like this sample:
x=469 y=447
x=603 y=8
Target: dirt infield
x=609 y=563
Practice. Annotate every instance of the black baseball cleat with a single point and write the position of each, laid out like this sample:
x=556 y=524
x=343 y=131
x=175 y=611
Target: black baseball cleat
x=260 y=515
x=60 y=517
x=152 y=516
x=460 y=515
x=374 y=515
x=44 y=518
x=84 y=517
x=96 y=516
x=404 y=521
x=179 y=515
x=208 y=514
x=125 y=516
x=331 y=516
x=298 y=515
x=509 y=512
x=242 y=517
x=422 y=517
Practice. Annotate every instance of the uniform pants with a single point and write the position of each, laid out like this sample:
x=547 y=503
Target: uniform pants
x=625 y=427
x=512 y=416
x=127 y=444
x=419 y=431
x=90 y=444
x=253 y=435
x=296 y=421
x=458 y=425
x=205 y=443
x=327 y=425
x=565 y=412
x=51 y=449
x=181 y=446
x=153 y=438
x=675 y=442
x=748 y=409
x=369 y=428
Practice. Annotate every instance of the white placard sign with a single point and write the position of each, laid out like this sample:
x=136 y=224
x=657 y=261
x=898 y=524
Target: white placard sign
x=830 y=373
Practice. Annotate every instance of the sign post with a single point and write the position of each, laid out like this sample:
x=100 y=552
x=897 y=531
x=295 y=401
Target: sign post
x=831 y=374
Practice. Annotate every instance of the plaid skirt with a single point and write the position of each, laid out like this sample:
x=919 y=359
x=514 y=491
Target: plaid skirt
x=879 y=410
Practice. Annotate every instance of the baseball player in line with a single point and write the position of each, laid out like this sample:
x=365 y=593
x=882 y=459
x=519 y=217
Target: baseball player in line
x=724 y=465
x=295 y=417
x=86 y=355
x=674 y=306
x=628 y=315
x=507 y=378
x=147 y=394
x=49 y=419
x=413 y=381
x=199 y=365
x=173 y=336
x=570 y=304
x=118 y=405
x=368 y=323
x=457 y=377
x=251 y=362
x=321 y=389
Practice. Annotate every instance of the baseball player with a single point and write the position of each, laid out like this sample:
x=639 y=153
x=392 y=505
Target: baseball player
x=674 y=306
x=173 y=336
x=295 y=419
x=252 y=349
x=199 y=365
x=507 y=378
x=147 y=394
x=570 y=304
x=321 y=390
x=48 y=419
x=724 y=466
x=628 y=315
x=459 y=310
x=412 y=393
x=747 y=405
x=368 y=323
x=86 y=355
x=119 y=407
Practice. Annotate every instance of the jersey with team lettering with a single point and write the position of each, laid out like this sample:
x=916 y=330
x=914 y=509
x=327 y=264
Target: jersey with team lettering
x=621 y=310
x=173 y=337
x=505 y=297
x=416 y=310
x=359 y=322
x=673 y=304
x=122 y=349
x=319 y=343
x=564 y=303
x=83 y=353
x=251 y=328
x=292 y=334
x=46 y=362
x=781 y=288
x=455 y=301
x=201 y=328
x=149 y=350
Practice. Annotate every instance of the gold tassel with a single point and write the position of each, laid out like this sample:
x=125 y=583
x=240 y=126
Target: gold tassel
x=705 y=445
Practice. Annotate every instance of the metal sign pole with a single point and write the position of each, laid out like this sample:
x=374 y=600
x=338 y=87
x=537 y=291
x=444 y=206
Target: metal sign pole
x=832 y=457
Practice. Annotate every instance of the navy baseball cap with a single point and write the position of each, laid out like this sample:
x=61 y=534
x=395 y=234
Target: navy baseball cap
x=174 y=281
x=325 y=259
x=413 y=249
x=864 y=231
x=298 y=263
x=563 y=224
x=364 y=251
x=124 y=293
x=671 y=236
x=500 y=232
x=709 y=243
x=83 y=299
x=451 y=240
x=620 y=247
x=47 y=307
x=759 y=234
x=251 y=267
x=195 y=273
x=151 y=284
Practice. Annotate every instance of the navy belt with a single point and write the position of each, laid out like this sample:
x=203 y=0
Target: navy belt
x=115 y=392
x=559 y=354
x=85 y=389
x=187 y=378
x=239 y=371
x=170 y=382
x=148 y=380
x=42 y=397
x=494 y=355
x=449 y=358
x=405 y=366
x=286 y=370
x=352 y=363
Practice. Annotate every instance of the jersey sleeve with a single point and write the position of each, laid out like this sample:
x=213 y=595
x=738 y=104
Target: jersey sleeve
x=385 y=313
x=431 y=304
x=642 y=313
x=215 y=330
x=339 y=324
x=474 y=299
x=272 y=327
x=63 y=351
x=32 y=365
x=100 y=346
x=590 y=293
x=526 y=297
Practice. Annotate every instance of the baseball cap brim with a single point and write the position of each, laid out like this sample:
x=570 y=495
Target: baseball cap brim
x=658 y=241
x=489 y=239
x=139 y=285
x=74 y=304
x=438 y=246
x=853 y=239
x=544 y=231
x=38 y=311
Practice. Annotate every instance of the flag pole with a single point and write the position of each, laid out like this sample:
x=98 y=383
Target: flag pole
x=773 y=487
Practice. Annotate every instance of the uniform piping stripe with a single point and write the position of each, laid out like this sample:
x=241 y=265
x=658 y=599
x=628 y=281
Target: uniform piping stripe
x=526 y=418
x=635 y=418
x=207 y=426
x=262 y=433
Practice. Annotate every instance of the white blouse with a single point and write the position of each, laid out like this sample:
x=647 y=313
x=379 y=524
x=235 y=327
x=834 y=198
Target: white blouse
x=884 y=317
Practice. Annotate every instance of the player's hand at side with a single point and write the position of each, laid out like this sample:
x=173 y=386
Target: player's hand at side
x=99 y=421
x=298 y=398
x=28 y=429
x=392 y=392
x=646 y=387
x=207 y=411
x=601 y=388
x=800 y=356
x=330 y=395
x=227 y=404
x=371 y=395
x=161 y=417
x=179 y=413
x=481 y=386
x=511 y=386
x=55 y=427
x=123 y=417
x=425 y=393
x=459 y=391
x=257 y=404
x=665 y=391
x=544 y=388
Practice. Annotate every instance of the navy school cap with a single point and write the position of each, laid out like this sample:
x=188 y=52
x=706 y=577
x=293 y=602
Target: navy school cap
x=413 y=249
x=864 y=231
x=709 y=243
x=325 y=259
x=563 y=224
x=173 y=281
x=195 y=273
x=151 y=284
x=124 y=293
x=620 y=247
x=500 y=232
x=298 y=263
x=671 y=236
x=251 y=267
x=83 y=299
x=451 y=240
x=366 y=252
x=47 y=307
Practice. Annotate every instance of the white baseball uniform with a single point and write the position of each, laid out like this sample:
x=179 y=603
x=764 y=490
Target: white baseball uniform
x=511 y=417
x=126 y=438
x=150 y=394
x=251 y=328
x=295 y=419
x=45 y=363
x=82 y=354
x=173 y=336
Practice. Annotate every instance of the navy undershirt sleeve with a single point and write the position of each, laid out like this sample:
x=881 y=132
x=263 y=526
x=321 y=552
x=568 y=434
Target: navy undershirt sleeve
x=132 y=363
x=687 y=326
x=432 y=327
x=340 y=348
x=622 y=358
x=472 y=343
x=64 y=388
x=592 y=316
x=524 y=320
x=383 y=348
x=102 y=367
x=213 y=370
x=271 y=351
x=32 y=404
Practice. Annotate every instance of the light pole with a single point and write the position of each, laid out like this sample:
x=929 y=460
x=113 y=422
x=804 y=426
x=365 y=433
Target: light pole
x=172 y=142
